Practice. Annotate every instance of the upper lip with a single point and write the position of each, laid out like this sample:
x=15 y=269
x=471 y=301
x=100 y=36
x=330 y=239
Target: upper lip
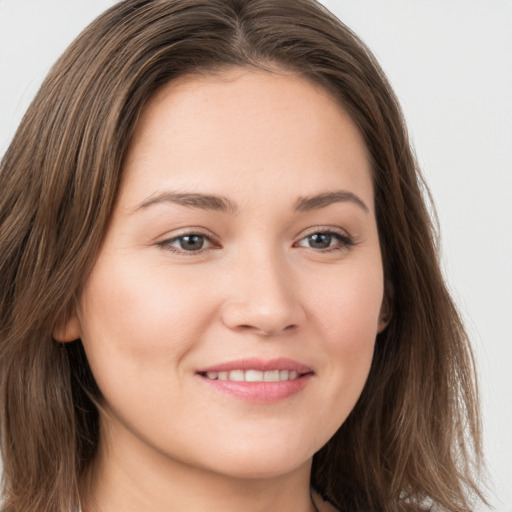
x=262 y=365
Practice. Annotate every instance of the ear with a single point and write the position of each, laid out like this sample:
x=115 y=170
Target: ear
x=67 y=329
x=384 y=319
x=385 y=309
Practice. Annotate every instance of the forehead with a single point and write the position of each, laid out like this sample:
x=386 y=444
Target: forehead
x=246 y=128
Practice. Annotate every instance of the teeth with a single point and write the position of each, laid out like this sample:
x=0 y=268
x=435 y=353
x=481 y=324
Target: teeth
x=237 y=375
x=254 y=375
x=272 y=376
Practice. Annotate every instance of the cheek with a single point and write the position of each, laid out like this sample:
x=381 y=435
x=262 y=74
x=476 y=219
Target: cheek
x=136 y=321
x=348 y=317
x=128 y=304
x=349 y=305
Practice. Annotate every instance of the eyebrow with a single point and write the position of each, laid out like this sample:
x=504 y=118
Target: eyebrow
x=225 y=205
x=316 y=202
x=191 y=200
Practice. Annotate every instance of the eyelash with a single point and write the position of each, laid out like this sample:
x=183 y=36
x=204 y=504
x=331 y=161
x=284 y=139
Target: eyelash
x=344 y=242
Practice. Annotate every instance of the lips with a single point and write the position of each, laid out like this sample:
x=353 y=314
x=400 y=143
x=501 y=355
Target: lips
x=257 y=380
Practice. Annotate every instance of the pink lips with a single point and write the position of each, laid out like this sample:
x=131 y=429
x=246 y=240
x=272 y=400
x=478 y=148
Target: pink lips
x=259 y=392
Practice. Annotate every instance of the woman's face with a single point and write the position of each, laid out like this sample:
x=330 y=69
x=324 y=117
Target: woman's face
x=231 y=316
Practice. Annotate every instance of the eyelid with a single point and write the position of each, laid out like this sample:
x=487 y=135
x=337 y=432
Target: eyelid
x=326 y=229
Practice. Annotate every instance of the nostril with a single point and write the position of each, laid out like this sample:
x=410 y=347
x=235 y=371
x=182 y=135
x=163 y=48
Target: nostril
x=259 y=317
x=269 y=331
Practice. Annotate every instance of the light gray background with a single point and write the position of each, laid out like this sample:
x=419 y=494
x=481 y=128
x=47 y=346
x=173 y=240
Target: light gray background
x=450 y=62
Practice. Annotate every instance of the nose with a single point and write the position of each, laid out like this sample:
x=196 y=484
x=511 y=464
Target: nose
x=263 y=298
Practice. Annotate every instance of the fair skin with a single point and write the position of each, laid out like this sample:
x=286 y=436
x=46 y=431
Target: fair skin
x=267 y=275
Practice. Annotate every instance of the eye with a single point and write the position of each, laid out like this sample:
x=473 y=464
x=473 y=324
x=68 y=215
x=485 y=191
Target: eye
x=187 y=243
x=326 y=241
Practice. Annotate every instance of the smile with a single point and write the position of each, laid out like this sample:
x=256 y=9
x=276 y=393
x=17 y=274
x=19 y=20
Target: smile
x=254 y=375
x=258 y=381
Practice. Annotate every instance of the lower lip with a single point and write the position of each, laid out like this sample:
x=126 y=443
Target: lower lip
x=259 y=392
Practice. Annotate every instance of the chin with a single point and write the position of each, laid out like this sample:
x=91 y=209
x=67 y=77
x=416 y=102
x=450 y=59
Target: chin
x=262 y=470
x=260 y=461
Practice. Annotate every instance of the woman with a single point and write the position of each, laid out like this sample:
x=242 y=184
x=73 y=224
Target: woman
x=221 y=289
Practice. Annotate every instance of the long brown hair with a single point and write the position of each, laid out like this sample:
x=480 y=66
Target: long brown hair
x=413 y=439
